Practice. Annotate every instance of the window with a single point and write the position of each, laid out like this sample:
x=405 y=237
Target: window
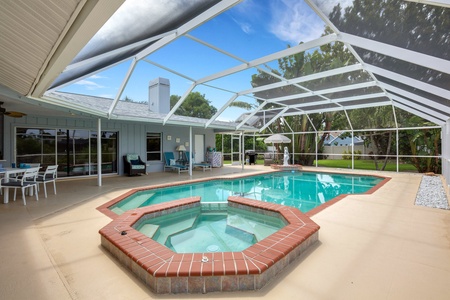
x=154 y=146
x=109 y=142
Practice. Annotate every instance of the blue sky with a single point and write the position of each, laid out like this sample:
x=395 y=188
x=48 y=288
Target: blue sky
x=250 y=30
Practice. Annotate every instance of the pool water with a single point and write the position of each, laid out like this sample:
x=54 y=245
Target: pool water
x=302 y=190
x=198 y=230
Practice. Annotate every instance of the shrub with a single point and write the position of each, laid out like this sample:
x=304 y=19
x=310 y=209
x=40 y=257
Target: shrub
x=345 y=156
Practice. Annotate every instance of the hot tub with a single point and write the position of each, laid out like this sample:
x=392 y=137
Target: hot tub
x=166 y=271
x=210 y=228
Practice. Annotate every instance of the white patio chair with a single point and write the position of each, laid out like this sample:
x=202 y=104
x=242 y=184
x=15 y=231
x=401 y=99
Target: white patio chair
x=27 y=181
x=48 y=176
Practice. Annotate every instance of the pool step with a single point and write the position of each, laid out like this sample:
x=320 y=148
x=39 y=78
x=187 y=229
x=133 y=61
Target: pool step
x=169 y=230
x=149 y=230
x=260 y=231
x=117 y=210
x=136 y=201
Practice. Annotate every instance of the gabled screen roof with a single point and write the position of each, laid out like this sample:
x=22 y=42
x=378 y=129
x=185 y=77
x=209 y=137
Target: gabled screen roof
x=280 y=58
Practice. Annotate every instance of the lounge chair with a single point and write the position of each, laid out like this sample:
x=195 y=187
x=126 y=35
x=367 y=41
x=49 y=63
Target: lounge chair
x=204 y=166
x=133 y=165
x=171 y=163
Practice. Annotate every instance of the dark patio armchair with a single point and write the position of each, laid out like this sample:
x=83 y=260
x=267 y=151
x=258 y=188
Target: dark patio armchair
x=133 y=165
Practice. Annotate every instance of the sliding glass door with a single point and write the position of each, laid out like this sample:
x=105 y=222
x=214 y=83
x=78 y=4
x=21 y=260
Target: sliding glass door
x=74 y=150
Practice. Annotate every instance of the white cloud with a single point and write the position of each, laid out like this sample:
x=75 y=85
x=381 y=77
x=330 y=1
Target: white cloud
x=89 y=85
x=294 y=21
x=245 y=27
x=97 y=77
x=248 y=15
x=110 y=96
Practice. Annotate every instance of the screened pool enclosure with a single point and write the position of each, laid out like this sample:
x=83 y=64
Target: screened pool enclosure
x=375 y=70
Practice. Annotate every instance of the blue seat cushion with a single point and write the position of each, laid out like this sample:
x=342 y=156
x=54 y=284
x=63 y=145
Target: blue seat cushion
x=137 y=167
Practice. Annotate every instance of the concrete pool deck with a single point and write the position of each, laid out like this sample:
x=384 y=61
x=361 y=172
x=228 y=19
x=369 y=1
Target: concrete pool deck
x=377 y=246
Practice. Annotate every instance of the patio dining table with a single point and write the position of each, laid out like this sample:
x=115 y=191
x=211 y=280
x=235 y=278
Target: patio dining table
x=8 y=172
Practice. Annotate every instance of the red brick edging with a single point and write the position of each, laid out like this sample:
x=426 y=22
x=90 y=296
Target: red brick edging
x=165 y=271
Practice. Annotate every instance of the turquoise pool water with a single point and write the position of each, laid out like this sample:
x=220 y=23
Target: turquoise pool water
x=302 y=190
x=197 y=230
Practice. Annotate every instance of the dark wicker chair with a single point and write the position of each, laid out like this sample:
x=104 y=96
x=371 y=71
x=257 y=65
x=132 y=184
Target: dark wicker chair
x=133 y=165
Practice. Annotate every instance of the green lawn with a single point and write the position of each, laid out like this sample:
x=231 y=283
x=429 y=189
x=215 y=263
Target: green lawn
x=359 y=164
x=365 y=165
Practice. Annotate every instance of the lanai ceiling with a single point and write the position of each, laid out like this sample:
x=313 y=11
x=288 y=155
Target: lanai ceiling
x=395 y=58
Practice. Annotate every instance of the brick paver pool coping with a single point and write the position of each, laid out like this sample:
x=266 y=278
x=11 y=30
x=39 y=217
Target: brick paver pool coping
x=165 y=271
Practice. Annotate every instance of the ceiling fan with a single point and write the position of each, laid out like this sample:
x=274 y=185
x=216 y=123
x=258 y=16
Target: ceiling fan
x=14 y=114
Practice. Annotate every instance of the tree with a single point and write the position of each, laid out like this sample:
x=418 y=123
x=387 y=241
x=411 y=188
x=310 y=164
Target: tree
x=173 y=100
x=301 y=64
x=195 y=105
x=128 y=99
x=410 y=25
x=418 y=27
x=370 y=118
x=422 y=142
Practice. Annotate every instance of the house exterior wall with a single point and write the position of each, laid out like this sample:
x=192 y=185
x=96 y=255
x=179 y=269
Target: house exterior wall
x=335 y=152
x=131 y=135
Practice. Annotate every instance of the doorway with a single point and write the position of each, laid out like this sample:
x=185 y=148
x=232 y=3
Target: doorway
x=199 y=148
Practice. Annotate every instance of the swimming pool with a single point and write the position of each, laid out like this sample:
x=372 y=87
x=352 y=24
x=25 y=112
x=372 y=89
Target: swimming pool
x=302 y=190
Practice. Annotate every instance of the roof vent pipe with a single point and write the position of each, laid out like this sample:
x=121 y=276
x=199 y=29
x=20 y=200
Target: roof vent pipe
x=159 y=95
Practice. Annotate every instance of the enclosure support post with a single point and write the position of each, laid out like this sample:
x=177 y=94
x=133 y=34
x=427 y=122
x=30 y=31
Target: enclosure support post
x=99 y=152
x=242 y=154
x=293 y=149
x=353 y=151
x=317 y=142
x=223 y=152
x=190 y=152
x=396 y=138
